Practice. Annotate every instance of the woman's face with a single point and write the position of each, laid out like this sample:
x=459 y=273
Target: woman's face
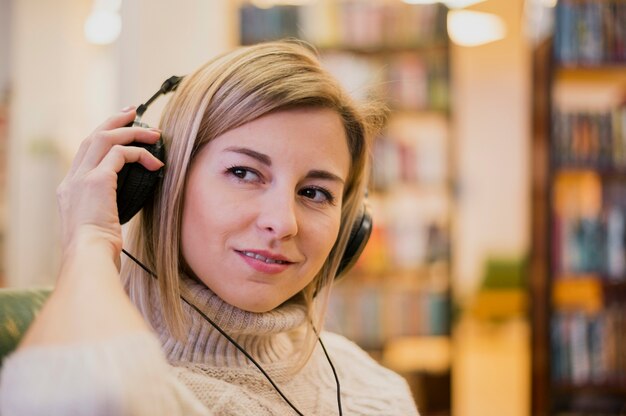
x=263 y=205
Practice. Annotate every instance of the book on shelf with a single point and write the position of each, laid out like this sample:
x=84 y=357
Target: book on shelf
x=590 y=139
x=263 y=24
x=400 y=163
x=590 y=32
x=410 y=80
x=589 y=226
x=588 y=349
x=351 y=24
x=371 y=316
x=418 y=81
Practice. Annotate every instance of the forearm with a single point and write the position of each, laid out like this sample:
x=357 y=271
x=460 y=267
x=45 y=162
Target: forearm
x=89 y=302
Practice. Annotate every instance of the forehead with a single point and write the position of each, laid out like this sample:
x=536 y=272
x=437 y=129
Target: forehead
x=312 y=137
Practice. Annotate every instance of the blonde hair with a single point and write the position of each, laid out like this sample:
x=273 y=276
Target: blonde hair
x=227 y=92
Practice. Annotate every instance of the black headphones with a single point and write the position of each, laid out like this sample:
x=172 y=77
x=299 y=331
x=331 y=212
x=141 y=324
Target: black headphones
x=136 y=185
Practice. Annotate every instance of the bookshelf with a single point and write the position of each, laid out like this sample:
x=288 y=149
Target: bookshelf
x=578 y=281
x=396 y=302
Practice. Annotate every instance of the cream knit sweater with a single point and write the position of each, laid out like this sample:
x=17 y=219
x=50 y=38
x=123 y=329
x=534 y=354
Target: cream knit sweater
x=206 y=375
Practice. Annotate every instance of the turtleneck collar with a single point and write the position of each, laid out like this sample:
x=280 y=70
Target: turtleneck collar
x=270 y=337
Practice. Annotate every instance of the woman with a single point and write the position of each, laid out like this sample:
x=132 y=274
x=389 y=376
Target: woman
x=264 y=176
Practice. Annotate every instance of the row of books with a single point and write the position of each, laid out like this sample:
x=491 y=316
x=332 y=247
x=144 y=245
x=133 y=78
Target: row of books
x=348 y=24
x=412 y=80
x=590 y=236
x=383 y=24
x=590 y=32
x=590 y=349
x=397 y=161
x=580 y=246
x=370 y=315
x=407 y=235
x=590 y=139
x=418 y=81
x=264 y=24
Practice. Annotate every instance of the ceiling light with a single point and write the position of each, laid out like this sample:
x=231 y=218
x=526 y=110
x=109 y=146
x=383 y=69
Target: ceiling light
x=103 y=27
x=469 y=28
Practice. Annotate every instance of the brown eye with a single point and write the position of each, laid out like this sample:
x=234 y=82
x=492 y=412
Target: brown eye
x=317 y=195
x=244 y=174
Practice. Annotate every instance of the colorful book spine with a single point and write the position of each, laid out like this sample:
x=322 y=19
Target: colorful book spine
x=590 y=32
x=361 y=25
x=371 y=317
x=595 y=243
x=586 y=139
x=589 y=350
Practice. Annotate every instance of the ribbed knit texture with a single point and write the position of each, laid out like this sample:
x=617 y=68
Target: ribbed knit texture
x=227 y=383
x=266 y=336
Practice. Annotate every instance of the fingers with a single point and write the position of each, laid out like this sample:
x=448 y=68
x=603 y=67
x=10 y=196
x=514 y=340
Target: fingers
x=119 y=155
x=87 y=194
x=121 y=119
x=108 y=134
x=104 y=141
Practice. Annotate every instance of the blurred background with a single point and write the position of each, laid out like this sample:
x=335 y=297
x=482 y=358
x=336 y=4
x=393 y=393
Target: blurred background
x=495 y=278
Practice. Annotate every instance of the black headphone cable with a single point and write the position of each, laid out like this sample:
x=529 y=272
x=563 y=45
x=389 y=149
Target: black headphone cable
x=246 y=354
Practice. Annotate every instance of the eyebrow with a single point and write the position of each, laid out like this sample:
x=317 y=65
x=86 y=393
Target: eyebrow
x=266 y=160
x=263 y=158
x=324 y=174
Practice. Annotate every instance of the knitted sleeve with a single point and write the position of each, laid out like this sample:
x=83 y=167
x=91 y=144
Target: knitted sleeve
x=124 y=376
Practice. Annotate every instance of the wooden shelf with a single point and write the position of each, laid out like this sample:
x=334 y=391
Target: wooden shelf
x=578 y=294
x=575 y=315
x=605 y=173
x=592 y=72
x=618 y=389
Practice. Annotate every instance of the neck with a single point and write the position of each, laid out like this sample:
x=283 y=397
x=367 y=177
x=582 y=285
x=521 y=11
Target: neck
x=271 y=337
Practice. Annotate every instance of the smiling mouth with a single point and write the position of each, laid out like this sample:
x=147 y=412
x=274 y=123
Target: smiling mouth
x=262 y=258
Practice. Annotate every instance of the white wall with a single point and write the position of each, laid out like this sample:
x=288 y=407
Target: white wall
x=491 y=119
x=63 y=87
x=48 y=61
x=491 y=94
x=165 y=39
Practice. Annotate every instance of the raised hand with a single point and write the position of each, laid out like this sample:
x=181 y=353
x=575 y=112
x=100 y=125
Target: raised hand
x=87 y=195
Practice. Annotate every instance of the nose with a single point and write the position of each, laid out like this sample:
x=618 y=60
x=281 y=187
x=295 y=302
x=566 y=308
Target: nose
x=277 y=215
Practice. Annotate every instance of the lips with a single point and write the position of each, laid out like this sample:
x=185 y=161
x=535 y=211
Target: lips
x=265 y=262
x=265 y=259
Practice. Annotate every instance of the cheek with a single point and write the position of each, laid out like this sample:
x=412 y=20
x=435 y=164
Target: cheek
x=322 y=237
x=200 y=224
x=189 y=234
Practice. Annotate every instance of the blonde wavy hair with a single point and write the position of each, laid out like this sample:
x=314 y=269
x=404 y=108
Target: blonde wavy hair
x=227 y=92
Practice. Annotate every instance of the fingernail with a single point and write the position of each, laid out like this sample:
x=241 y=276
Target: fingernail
x=154 y=129
x=127 y=109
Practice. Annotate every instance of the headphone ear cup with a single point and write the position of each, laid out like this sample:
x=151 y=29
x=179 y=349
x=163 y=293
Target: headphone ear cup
x=136 y=184
x=359 y=235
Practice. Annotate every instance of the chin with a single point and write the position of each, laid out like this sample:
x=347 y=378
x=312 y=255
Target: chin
x=262 y=307
x=256 y=307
